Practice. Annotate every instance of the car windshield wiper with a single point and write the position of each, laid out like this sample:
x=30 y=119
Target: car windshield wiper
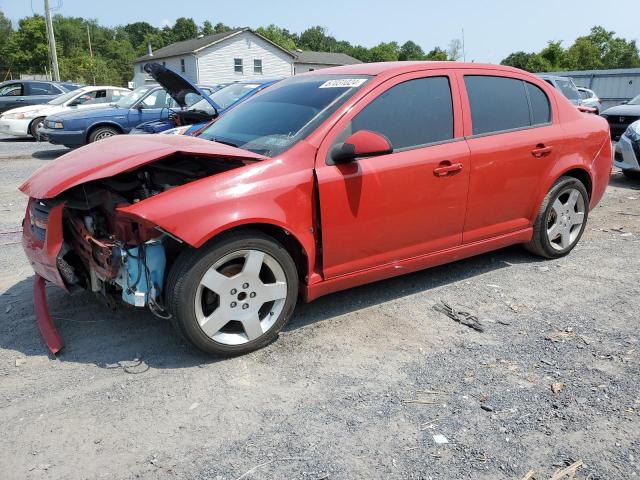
x=224 y=143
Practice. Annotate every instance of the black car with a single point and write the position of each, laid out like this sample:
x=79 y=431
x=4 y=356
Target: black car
x=18 y=93
x=621 y=116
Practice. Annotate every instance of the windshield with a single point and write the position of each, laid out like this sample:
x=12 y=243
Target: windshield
x=231 y=93
x=65 y=97
x=128 y=100
x=275 y=120
x=568 y=88
x=634 y=101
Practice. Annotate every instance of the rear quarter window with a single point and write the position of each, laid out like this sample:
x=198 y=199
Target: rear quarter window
x=540 y=107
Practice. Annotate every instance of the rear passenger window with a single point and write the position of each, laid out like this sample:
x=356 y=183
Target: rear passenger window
x=410 y=114
x=497 y=103
x=540 y=109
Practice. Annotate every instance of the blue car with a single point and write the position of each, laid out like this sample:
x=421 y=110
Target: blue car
x=144 y=104
x=200 y=113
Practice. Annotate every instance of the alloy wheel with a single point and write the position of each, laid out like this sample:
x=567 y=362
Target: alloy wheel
x=565 y=219
x=240 y=297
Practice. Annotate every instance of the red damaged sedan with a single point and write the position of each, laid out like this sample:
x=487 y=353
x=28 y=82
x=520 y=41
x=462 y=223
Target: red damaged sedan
x=324 y=181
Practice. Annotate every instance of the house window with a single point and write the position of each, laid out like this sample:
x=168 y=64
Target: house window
x=182 y=67
x=257 y=67
x=237 y=65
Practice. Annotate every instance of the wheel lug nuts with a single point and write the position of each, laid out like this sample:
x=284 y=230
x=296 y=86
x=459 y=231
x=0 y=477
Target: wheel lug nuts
x=233 y=291
x=233 y=304
x=252 y=294
x=245 y=285
x=245 y=306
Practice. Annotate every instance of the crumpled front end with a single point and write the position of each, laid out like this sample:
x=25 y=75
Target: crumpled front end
x=80 y=235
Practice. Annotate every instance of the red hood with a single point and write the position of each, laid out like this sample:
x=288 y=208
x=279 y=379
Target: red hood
x=116 y=155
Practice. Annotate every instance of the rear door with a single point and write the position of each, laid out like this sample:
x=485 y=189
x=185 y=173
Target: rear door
x=514 y=140
x=12 y=96
x=379 y=210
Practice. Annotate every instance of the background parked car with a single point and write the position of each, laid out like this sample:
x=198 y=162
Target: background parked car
x=627 y=156
x=23 y=121
x=621 y=116
x=566 y=86
x=17 y=93
x=74 y=129
x=200 y=113
x=590 y=99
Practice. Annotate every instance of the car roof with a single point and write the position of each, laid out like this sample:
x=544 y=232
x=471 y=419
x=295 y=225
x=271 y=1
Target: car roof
x=553 y=77
x=395 y=68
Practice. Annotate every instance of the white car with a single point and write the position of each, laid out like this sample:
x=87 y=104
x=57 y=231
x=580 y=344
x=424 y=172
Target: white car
x=24 y=121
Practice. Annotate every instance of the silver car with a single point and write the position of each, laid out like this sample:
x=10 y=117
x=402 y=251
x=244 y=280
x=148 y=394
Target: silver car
x=565 y=85
x=627 y=154
x=590 y=99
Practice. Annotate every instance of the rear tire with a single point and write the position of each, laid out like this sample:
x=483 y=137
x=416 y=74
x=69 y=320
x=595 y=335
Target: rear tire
x=561 y=219
x=250 y=293
x=632 y=174
x=33 y=127
x=101 y=133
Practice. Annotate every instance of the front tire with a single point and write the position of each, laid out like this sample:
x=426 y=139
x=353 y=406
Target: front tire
x=101 y=133
x=233 y=295
x=33 y=127
x=561 y=219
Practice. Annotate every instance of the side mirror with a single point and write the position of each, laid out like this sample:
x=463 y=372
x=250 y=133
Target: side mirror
x=361 y=144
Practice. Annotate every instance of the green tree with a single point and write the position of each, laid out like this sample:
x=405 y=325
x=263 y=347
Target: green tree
x=28 y=46
x=221 y=28
x=207 y=28
x=6 y=32
x=410 y=51
x=316 y=39
x=184 y=29
x=518 y=60
x=554 y=54
x=138 y=31
x=384 y=52
x=583 y=55
x=437 y=54
x=279 y=36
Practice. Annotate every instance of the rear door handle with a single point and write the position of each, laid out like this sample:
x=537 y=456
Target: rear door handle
x=445 y=169
x=541 y=150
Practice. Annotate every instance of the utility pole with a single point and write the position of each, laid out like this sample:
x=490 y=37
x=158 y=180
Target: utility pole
x=464 y=56
x=52 y=42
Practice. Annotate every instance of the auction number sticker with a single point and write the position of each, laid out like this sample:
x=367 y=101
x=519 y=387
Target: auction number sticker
x=343 y=83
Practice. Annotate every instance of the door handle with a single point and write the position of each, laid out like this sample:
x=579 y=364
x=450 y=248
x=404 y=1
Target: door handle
x=447 y=168
x=541 y=150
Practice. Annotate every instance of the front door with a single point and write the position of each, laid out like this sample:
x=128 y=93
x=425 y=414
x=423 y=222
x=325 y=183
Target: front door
x=378 y=210
x=154 y=106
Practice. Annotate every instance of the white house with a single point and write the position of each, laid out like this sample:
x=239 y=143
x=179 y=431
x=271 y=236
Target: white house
x=234 y=55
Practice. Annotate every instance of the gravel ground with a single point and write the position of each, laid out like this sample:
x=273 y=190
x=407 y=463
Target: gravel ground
x=347 y=392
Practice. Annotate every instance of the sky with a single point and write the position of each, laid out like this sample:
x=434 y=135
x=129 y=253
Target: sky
x=492 y=29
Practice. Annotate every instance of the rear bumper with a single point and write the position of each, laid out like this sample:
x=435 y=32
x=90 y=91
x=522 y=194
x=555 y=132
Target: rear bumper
x=62 y=137
x=19 y=128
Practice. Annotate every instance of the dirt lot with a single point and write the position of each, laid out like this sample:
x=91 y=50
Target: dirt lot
x=345 y=392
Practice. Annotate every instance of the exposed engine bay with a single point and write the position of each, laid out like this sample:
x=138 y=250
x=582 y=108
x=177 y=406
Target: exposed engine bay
x=115 y=255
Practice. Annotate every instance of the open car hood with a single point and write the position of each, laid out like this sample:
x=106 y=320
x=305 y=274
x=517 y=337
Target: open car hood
x=119 y=154
x=175 y=84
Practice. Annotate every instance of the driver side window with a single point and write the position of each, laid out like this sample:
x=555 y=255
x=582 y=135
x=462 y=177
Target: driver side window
x=11 y=90
x=411 y=114
x=158 y=99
